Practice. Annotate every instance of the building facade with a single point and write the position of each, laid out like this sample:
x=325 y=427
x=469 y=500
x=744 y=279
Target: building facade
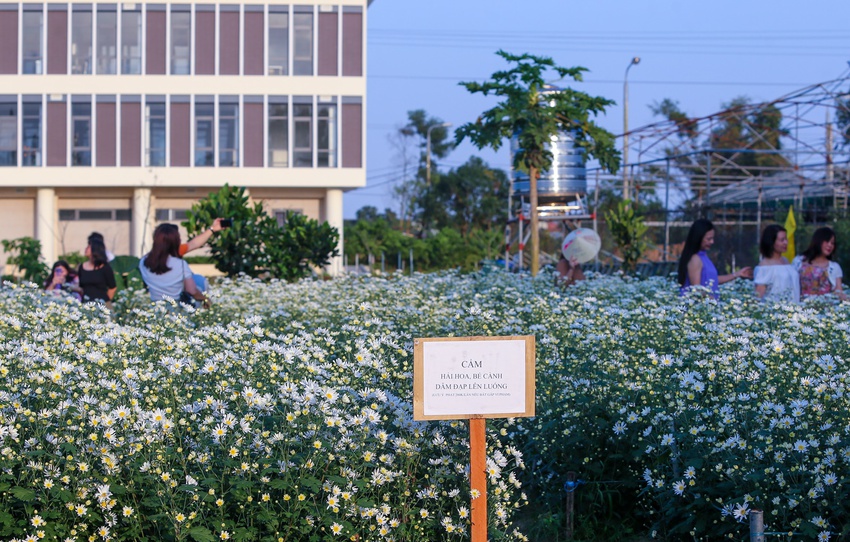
x=115 y=117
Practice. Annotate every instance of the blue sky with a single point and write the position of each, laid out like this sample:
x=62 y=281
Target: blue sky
x=701 y=54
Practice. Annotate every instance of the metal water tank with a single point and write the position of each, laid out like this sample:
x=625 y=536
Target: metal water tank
x=566 y=178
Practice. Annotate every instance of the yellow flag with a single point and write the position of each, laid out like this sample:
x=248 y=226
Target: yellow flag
x=790 y=227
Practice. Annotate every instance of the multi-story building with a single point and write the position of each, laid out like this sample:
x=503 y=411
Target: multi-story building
x=117 y=116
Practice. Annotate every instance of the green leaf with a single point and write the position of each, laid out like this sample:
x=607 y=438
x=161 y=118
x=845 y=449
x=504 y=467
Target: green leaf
x=202 y=534
x=23 y=493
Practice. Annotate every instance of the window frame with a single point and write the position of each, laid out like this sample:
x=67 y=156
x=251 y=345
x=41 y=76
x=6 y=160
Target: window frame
x=233 y=120
x=38 y=62
x=332 y=121
x=81 y=155
x=149 y=133
x=12 y=150
x=209 y=159
x=284 y=119
x=300 y=59
x=103 y=11
x=87 y=67
x=28 y=152
x=172 y=43
x=300 y=152
x=283 y=42
x=127 y=59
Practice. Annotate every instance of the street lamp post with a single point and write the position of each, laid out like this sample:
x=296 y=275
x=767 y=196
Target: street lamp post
x=428 y=149
x=635 y=60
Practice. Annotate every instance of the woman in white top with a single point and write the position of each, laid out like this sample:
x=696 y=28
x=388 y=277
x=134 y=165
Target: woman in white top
x=775 y=278
x=164 y=272
x=819 y=275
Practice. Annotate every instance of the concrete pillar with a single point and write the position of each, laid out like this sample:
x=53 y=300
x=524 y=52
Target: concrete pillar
x=142 y=225
x=45 y=223
x=333 y=214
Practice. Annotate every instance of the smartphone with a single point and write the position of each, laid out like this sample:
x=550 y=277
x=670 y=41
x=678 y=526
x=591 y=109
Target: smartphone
x=226 y=222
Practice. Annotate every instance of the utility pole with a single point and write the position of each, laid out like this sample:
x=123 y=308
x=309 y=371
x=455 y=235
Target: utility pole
x=633 y=62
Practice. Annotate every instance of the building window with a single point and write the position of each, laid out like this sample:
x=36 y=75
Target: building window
x=228 y=134
x=302 y=150
x=122 y=215
x=155 y=134
x=278 y=134
x=280 y=215
x=81 y=126
x=131 y=42
x=81 y=39
x=8 y=134
x=33 y=40
x=326 y=123
x=107 y=39
x=204 y=134
x=171 y=215
x=31 y=128
x=302 y=60
x=279 y=43
x=181 y=40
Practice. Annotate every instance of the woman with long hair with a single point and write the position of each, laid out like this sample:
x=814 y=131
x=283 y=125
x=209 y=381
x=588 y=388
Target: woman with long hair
x=775 y=278
x=165 y=273
x=61 y=279
x=819 y=275
x=96 y=277
x=695 y=268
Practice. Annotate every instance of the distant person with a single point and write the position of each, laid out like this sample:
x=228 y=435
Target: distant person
x=62 y=279
x=569 y=272
x=165 y=273
x=95 y=235
x=775 y=278
x=695 y=268
x=95 y=275
x=819 y=275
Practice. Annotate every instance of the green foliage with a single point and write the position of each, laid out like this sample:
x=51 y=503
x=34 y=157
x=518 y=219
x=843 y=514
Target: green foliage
x=255 y=244
x=74 y=259
x=25 y=253
x=472 y=197
x=448 y=248
x=126 y=270
x=628 y=230
x=237 y=249
x=302 y=242
x=534 y=116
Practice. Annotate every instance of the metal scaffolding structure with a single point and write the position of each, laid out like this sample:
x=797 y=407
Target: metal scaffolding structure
x=807 y=166
x=681 y=154
x=686 y=165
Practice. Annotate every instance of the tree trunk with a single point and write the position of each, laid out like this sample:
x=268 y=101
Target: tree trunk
x=535 y=229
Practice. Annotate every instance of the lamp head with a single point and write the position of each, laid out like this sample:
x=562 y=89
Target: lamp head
x=636 y=60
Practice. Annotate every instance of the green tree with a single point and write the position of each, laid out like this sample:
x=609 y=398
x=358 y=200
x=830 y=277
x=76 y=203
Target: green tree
x=533 y=113
x=629 y=231
x=256 y=243
x=473 y=196
x=25 y=253
x=417 y=189
x=301 y=243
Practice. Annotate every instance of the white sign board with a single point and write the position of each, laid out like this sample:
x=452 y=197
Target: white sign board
x=473 y=377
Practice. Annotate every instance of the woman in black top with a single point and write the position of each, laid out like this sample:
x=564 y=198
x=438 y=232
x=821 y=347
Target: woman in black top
x=96 y=277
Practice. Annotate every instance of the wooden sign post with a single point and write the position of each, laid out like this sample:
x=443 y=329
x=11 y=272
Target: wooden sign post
x=474 y=378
